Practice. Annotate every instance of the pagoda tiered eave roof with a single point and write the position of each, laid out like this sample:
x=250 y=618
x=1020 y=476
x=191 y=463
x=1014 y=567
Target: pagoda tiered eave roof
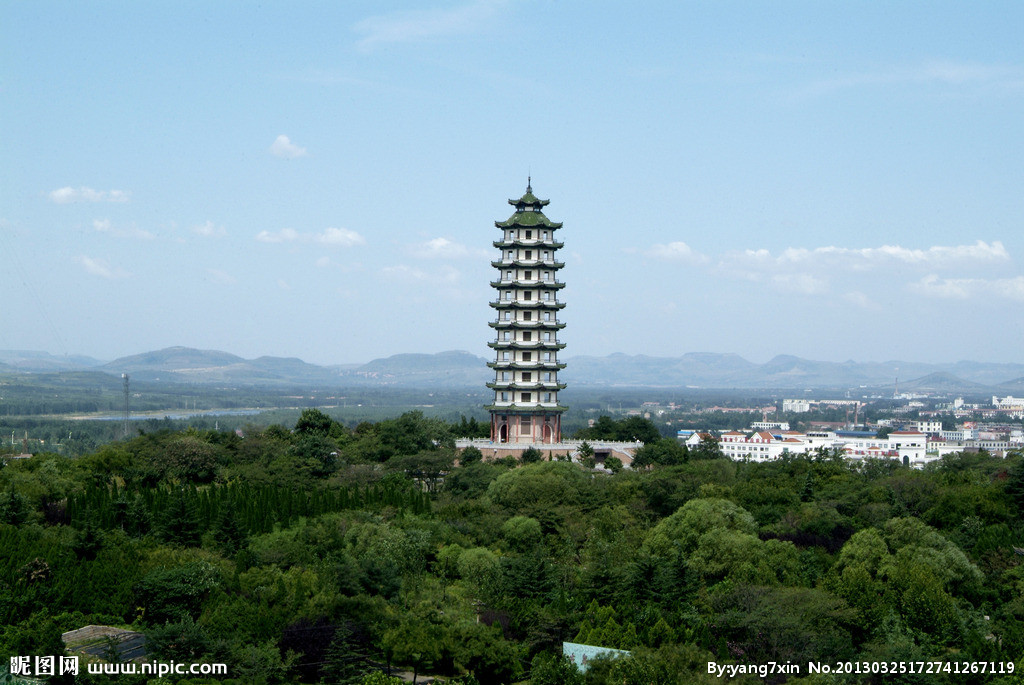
x=528 y=385
x=528 y=264
x=528 y=220
x=542 y=285
x=528 y=325
x=528 y=408
x=528 y=243
x=526 y=366
x=525 y=345
x=527 y=304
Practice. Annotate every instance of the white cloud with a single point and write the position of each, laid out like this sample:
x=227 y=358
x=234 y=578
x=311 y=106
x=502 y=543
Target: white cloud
x=802 y=283
x=863 y=258
x=67 y=195
x=132 y=231
x=285 y=235
x=968 y=288
x=819 y=270
x=947 y=73
x=341 y=237
x=283 y=147
x=859 y=299
x=334 y=237
x=414 y=25
x=445 y=275
x=323 y=262
x=443 y=248
x=222 y=277
x=677 y=251
x=99 y=267
x=208 y=229
x=283 y=284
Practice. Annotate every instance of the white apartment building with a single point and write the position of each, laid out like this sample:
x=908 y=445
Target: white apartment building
x=768 y=445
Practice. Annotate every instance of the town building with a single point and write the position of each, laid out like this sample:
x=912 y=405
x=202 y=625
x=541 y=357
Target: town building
x=525 y=408
x=909 y=446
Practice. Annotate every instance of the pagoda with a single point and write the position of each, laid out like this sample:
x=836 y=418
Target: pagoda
x=526 y=366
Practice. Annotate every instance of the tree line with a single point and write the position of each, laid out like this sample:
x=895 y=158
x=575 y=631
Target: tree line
x=321 y=553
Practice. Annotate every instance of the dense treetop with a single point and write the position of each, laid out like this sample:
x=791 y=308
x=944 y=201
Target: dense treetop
x=321 y=553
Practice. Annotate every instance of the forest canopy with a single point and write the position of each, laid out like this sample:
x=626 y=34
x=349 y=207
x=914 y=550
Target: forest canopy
x=320 y=553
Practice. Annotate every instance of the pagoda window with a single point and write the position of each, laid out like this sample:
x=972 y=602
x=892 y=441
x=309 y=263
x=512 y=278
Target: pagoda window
x=527 y=377
x=504 y=375
x=527 y=295
x=547 y=316
x=508 y=275
x=529 y=235
x=528 y=254
x=547 y=356
x=545 y=234
x=527 y=356
x=547 y=275
x=504 y=397
x=510 y=255
x=546 y=253
x=527 y=336
x=505 y=335
x=547 y=376
x=524 y=421
x=547 y=296
x=547 y=336
x=524 y=397
x=547 y=397
x=504 y=356
x=527 y=275
x=527 y=316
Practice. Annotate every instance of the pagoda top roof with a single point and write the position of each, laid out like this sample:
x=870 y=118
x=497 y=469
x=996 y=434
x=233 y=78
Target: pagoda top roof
x=528 y=198
x=528 y=212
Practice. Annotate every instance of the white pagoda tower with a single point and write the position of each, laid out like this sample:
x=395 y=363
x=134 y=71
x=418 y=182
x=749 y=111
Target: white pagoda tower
x=526 y=366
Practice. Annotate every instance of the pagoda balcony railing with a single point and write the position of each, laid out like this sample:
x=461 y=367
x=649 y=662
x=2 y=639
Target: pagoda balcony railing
x=533 y=242
x=530 y=325
x=525 y=345
x=527 y=304
x=528 y=264
x=533 y=283
x=526 y=366
x=526 y=385
x=526 y=407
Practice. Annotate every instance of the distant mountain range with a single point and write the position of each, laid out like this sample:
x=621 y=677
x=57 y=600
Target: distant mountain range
x=461 y=369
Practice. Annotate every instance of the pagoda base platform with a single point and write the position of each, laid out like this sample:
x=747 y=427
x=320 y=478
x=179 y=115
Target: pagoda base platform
x=553 y=451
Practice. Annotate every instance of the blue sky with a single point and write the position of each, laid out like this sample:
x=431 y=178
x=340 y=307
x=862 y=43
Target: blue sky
x=320 y=179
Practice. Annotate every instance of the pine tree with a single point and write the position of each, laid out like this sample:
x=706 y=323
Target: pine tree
x=179 y=523
x=227 y=533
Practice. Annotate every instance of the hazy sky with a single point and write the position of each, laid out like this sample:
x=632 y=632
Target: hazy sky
x=321 y=179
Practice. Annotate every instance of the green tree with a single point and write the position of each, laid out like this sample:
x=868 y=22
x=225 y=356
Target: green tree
x=179 y=522
x=522 y=532
x=314 y=422
x=470 y=455
x=664 y=452
x=415 y=642
x=531 y=455
x=228 y=533
x=554 y=669
x=191 y=459
x=13 y=508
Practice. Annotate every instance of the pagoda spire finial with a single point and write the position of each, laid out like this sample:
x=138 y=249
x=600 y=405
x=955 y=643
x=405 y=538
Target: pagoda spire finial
x=529 y=185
